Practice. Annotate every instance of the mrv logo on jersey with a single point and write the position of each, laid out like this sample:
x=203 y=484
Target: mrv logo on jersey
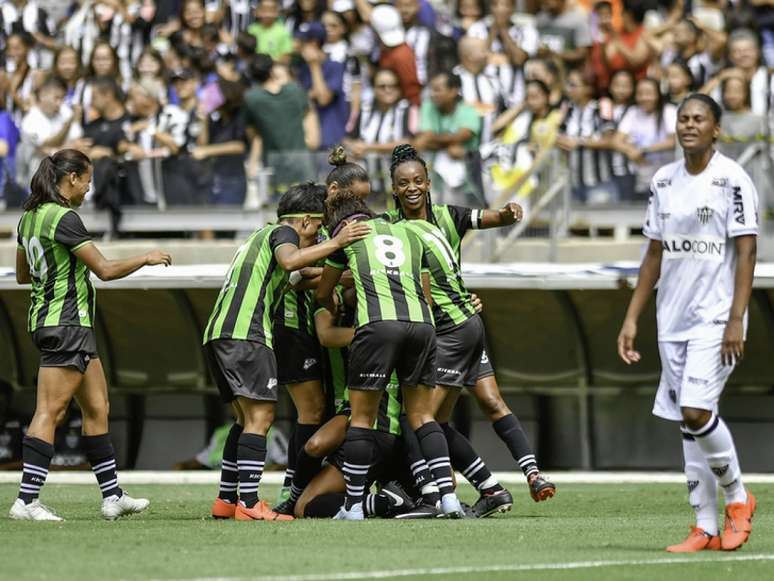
x=698 y=248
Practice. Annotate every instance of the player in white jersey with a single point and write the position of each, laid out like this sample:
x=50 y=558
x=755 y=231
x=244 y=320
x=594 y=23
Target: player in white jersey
x=702 y=224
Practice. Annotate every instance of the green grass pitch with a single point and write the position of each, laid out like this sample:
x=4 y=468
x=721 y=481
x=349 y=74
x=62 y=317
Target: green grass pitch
x=176 y=540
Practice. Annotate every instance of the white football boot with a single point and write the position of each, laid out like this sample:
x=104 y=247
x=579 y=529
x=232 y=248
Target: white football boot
x=115 y=507
x=32 y=511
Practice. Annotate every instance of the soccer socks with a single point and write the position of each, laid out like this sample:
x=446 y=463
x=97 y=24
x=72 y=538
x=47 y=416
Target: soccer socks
x=423 y=479
x=36 y=456
x=229 y=470
x=324 y=506
x=290 y=471
x=464 y=458
x=702 y=488
x=509 y=430
x=358 y=452
x=436 y=451
x=719 y=451
x=102 y=457
x=307 y=468
x=251 y=457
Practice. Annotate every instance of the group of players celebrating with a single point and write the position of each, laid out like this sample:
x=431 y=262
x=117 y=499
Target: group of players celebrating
x=367 y=322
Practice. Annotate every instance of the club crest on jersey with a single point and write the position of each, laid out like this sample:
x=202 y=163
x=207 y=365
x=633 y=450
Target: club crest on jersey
x=720 y=182
x=704 y=214
x=692 y=485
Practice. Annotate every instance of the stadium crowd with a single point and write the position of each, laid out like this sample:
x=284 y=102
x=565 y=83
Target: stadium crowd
x=185 y=100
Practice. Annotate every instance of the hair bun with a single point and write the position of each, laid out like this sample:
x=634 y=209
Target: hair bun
x=338 y=156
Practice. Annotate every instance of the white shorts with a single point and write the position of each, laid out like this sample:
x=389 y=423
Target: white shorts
x=692 y=375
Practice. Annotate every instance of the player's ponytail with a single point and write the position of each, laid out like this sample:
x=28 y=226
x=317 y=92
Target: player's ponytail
x=344 y=172
x=44 y=186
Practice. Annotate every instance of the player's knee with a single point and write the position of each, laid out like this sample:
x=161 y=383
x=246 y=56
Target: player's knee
x=312 y=416
x=419 y=418
x=315 y=447
x=694 y=418
x=493 y=406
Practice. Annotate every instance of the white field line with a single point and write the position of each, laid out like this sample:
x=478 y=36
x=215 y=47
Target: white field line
x=213 y=477
x=515 y=568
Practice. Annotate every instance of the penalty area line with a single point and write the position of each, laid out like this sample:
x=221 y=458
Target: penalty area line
x=515 y=568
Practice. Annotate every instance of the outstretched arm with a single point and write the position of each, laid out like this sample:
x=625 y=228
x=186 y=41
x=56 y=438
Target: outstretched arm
x=113 y=269
x=505 y=216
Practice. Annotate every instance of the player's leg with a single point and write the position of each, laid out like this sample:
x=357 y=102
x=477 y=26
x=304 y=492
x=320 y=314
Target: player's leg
x=56 y=387
x=324 y=495
x=509 y=429
x=324 y=441
x=92 y=398
x=464 y=458
x=309 y=400
x=703 y=382
x=225 y=503
x=429 y=505
x=359 y=448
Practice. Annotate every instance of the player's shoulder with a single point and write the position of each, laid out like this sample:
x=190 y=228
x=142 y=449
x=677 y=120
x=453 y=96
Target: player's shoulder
x=662 y=179
x=723 y=167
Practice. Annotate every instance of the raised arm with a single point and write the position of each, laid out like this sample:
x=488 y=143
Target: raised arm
x=505 y=216
x=114 y=269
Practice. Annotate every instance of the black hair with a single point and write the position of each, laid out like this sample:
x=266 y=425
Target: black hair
x=60 y=51
x=108 y=85
x=453 y=80
x=52 y=81
x=637 y=9
x=303 y=198
x=344 y=173
x=683 y=65
x=260 y=67
x=660 y=100
x=246 y=42
x=339 y=208
x=44 y=186
x=27 y=39
x=482 y=7
x=298 y=16
x=113 y=52
x=629 y=74
x=183 y=4
x=405 y=153
x=712 y=105
x=233 y=92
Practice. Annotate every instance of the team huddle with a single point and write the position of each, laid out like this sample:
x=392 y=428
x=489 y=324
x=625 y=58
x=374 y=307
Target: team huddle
x=367 y=322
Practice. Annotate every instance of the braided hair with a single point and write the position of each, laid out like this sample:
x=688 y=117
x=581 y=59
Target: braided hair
x=405 y=153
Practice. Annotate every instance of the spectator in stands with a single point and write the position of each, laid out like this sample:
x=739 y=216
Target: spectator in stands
x=679 y=82
x=305 y=11
x=278 y=111
x=271 y=34
x=150 y=66
x=144 y=144
x=467 y=13
x=384 y=122
x=582 y=138
x=763 y=16
x=185 y=180
x=646 y=134
x=564 y=31
x=451 y=129
x=740 y=127
x=103 y=63
x=418 y=36
x=21 y=77
x=68 y=68
x=687 y=46
x=323 y=78
x=28 y=16
x=481 y=88
x=548 y=72
x=395 y=53
x=744 y=54
x=49 y=124
x=191 y=28
x=223 y=140
x=337 y=48
x=615 y=50
x=9 y=139
x=614 y=109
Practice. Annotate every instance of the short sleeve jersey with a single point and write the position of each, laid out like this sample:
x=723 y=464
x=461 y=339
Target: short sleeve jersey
x=696 y=218
x=451 y=300
x=295 y=311
x=387 y=269
x=252 y=289
x=62 y=293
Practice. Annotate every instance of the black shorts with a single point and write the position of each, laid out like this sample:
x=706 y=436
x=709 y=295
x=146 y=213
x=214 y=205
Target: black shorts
x=485 y=369
x=66 y=346
x=382 y=462
x=298 y=356
x=242 y=369
x=458 y=354
x=380 y=348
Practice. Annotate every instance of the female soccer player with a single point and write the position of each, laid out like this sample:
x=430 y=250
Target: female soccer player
x=413 y=202
x=394 y=333
x=238 y=341
x=702 y=224
x=57 y=256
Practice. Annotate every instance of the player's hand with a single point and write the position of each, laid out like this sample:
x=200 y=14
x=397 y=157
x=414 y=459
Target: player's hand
x=626 y=343
x=158 y=257
x=511 y=213
x=352 y=232
x=732 y=349
x=476 y=302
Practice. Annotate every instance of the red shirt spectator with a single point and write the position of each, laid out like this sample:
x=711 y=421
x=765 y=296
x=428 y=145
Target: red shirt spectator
x=396 y=54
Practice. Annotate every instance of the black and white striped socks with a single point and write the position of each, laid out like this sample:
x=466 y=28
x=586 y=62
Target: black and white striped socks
x=436 y=451
x=36 y=456
x=229 y=470
x=102 y=457
x=510 y=431
x=251 y=457
x=358 y=453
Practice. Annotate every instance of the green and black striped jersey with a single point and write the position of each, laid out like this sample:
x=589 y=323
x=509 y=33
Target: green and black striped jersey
x=451 y=300
x=387 y=269
x=454 y=222
x=296 y=311
x=62 y=294
x=253 y=286
x=335 y=383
